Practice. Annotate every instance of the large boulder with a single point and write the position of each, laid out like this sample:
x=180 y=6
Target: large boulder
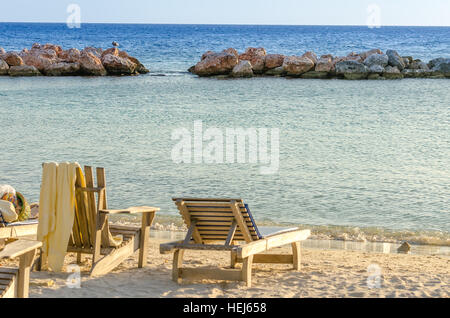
x=216 y=64
x=325 y=64
x=392 y=72
x=13 y=59
x=352 y=70
x=443 y=67
x=277 y=71
x=395 y=59
x=297 y=65
x=91 y=65
x=312 y=56
x=56 y=48
x=365 y=55
x=71 y=55
x=415 y=73
x=41 y=62
x=256 y=56
x=242 y=69
x=63 y=69
x=140 y=68
x=24 y=70
x=377 y=59
x=418 y=65
x=111 y=51
x=376 y=69
x=4 y=67
x=94 y=50
x=273 y=61
x=435 y=62
x=117 y=65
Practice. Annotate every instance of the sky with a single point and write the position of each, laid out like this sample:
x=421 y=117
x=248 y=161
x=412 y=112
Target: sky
x=295 y=12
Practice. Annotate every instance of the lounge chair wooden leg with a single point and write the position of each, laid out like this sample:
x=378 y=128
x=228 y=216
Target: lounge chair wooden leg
x=247 y=270
x=26 y=260
x=296 y=255
x=233 y=259
x=177 y=262
x=78 y=258
x=147 y=219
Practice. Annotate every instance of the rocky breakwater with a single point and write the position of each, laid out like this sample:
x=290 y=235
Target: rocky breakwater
x=372 y=64
x=52 y=60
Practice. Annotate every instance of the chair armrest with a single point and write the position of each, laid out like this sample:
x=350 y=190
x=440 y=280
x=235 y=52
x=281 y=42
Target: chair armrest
x=270 y=242
x=19 y=248
x=131 y=210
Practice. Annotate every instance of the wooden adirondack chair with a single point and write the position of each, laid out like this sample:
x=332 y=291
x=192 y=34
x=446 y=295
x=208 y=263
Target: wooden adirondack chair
x=228 y=221
x=92 y=233
x=14 y=282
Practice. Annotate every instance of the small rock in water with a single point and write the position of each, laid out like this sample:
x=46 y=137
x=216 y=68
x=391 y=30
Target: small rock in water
x=404 y=248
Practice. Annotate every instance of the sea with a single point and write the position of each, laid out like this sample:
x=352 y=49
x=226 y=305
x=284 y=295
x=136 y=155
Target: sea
x=364 y=161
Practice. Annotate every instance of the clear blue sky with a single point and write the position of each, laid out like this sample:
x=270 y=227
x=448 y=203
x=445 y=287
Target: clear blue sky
x=298 y=12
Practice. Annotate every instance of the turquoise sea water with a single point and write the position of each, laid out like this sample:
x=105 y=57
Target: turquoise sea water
x=366 y=158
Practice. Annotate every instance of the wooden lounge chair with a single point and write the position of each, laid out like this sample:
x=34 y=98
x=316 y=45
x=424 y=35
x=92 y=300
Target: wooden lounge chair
x=14 y=282
x=18 y=229
x=92 y=233
x=228 y=222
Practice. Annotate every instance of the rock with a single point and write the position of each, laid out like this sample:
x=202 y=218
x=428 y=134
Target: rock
x=273 y=61
x=374 y=76
x=409 y=58
x=324 y=64
x=140 y=68
x=216 y=64
x=191 y=69
x=406 y=61
x=377 y=69
x=91 y=65
x=418 y=65
x=2 y=52
x=365 y=55
x=405 y=248
x=52 y=47
x=13 y=59
x=256 y=56
x=206 y=54
x=395 y=59
x=24 y=70
x=71 y=55
x=96 y=51
x=63 y=69
x=242 y=69
x=435 y=62
x=277 y=71
x=392 y=72
x=415 y=73
x=114 y=43
x=112 y=51
x=377 y=59
x=231 y=51
x=296 y=65
x=315 y=75
x=443 y=67
x=117 y=65
x=39 y=61
x=312 y=56
x=352 y=70
x=4 y=67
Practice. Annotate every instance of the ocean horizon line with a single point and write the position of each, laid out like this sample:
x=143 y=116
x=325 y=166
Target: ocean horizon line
x=230 y=24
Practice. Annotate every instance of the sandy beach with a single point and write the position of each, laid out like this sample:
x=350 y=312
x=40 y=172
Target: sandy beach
x=325 y=273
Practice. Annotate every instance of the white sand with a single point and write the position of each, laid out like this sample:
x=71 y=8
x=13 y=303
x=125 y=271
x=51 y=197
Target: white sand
x=325 y=273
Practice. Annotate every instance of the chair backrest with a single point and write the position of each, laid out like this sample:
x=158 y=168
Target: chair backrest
x=215 y=217
x=87 y=206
